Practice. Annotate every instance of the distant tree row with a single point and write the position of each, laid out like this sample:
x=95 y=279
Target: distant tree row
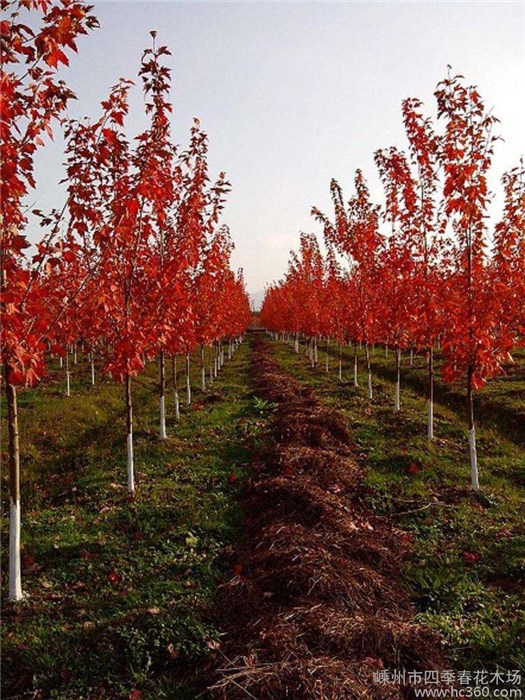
x=136 y=264
x=425 y=268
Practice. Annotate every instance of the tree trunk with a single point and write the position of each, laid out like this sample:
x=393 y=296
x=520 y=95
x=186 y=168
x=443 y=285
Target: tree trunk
x=296 y=343
x=129 y=439
x=188 y=382
x=369 y=370
x=430 y=430
x=162 y=395
x=211 y=365
x=175 y=386
x=92 y=364
x=68 y=375
x=356 y=377
x=340 y=364
x=75 y=354
x=474 y=474
x=326 y=366
x=411 y=357
x=398 y=379
x=203 y=370
x=15 y=567
x=61 y=362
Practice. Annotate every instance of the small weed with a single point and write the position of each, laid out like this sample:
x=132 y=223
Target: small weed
x=263 y=407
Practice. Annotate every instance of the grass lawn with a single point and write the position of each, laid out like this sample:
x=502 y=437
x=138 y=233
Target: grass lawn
x=119 y=590
x=467 y=570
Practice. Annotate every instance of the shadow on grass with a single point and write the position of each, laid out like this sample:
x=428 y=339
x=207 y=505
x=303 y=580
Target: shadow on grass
x=507 y=420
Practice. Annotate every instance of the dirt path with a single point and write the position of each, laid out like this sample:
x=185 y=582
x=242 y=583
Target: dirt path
x=319 y=604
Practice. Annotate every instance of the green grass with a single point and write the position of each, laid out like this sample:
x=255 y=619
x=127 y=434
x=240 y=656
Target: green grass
x=500 y=405
x=467 y=568
x=121 y=589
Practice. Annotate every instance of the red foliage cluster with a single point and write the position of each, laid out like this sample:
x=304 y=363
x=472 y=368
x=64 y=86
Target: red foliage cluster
x=136 y=262
x=32 y=100
x=419 y=270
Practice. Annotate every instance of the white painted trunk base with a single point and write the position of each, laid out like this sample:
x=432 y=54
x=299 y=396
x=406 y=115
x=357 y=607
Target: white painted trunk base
x=370 y=390
x=398 y=381
x=474 y=474
x=177 y=404
x=131 y=464
x=68 y=384
x=163 y=434
x=430 y=426
x=92 y=370
x=15 y=568
x=188 y=390
x=203 y=378
x=356 y=378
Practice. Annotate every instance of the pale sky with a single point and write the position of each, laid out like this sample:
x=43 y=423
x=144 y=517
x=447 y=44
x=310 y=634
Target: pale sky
x=293 y=94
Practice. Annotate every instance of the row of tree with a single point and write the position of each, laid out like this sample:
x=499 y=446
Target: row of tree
x=135 y=265
x=426 y=268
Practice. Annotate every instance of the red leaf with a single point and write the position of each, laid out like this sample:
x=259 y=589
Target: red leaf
x=471 y=557
x=413 y=468
x=114 y=578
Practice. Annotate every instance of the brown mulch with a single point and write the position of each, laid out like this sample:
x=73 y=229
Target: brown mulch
x=319 y=603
